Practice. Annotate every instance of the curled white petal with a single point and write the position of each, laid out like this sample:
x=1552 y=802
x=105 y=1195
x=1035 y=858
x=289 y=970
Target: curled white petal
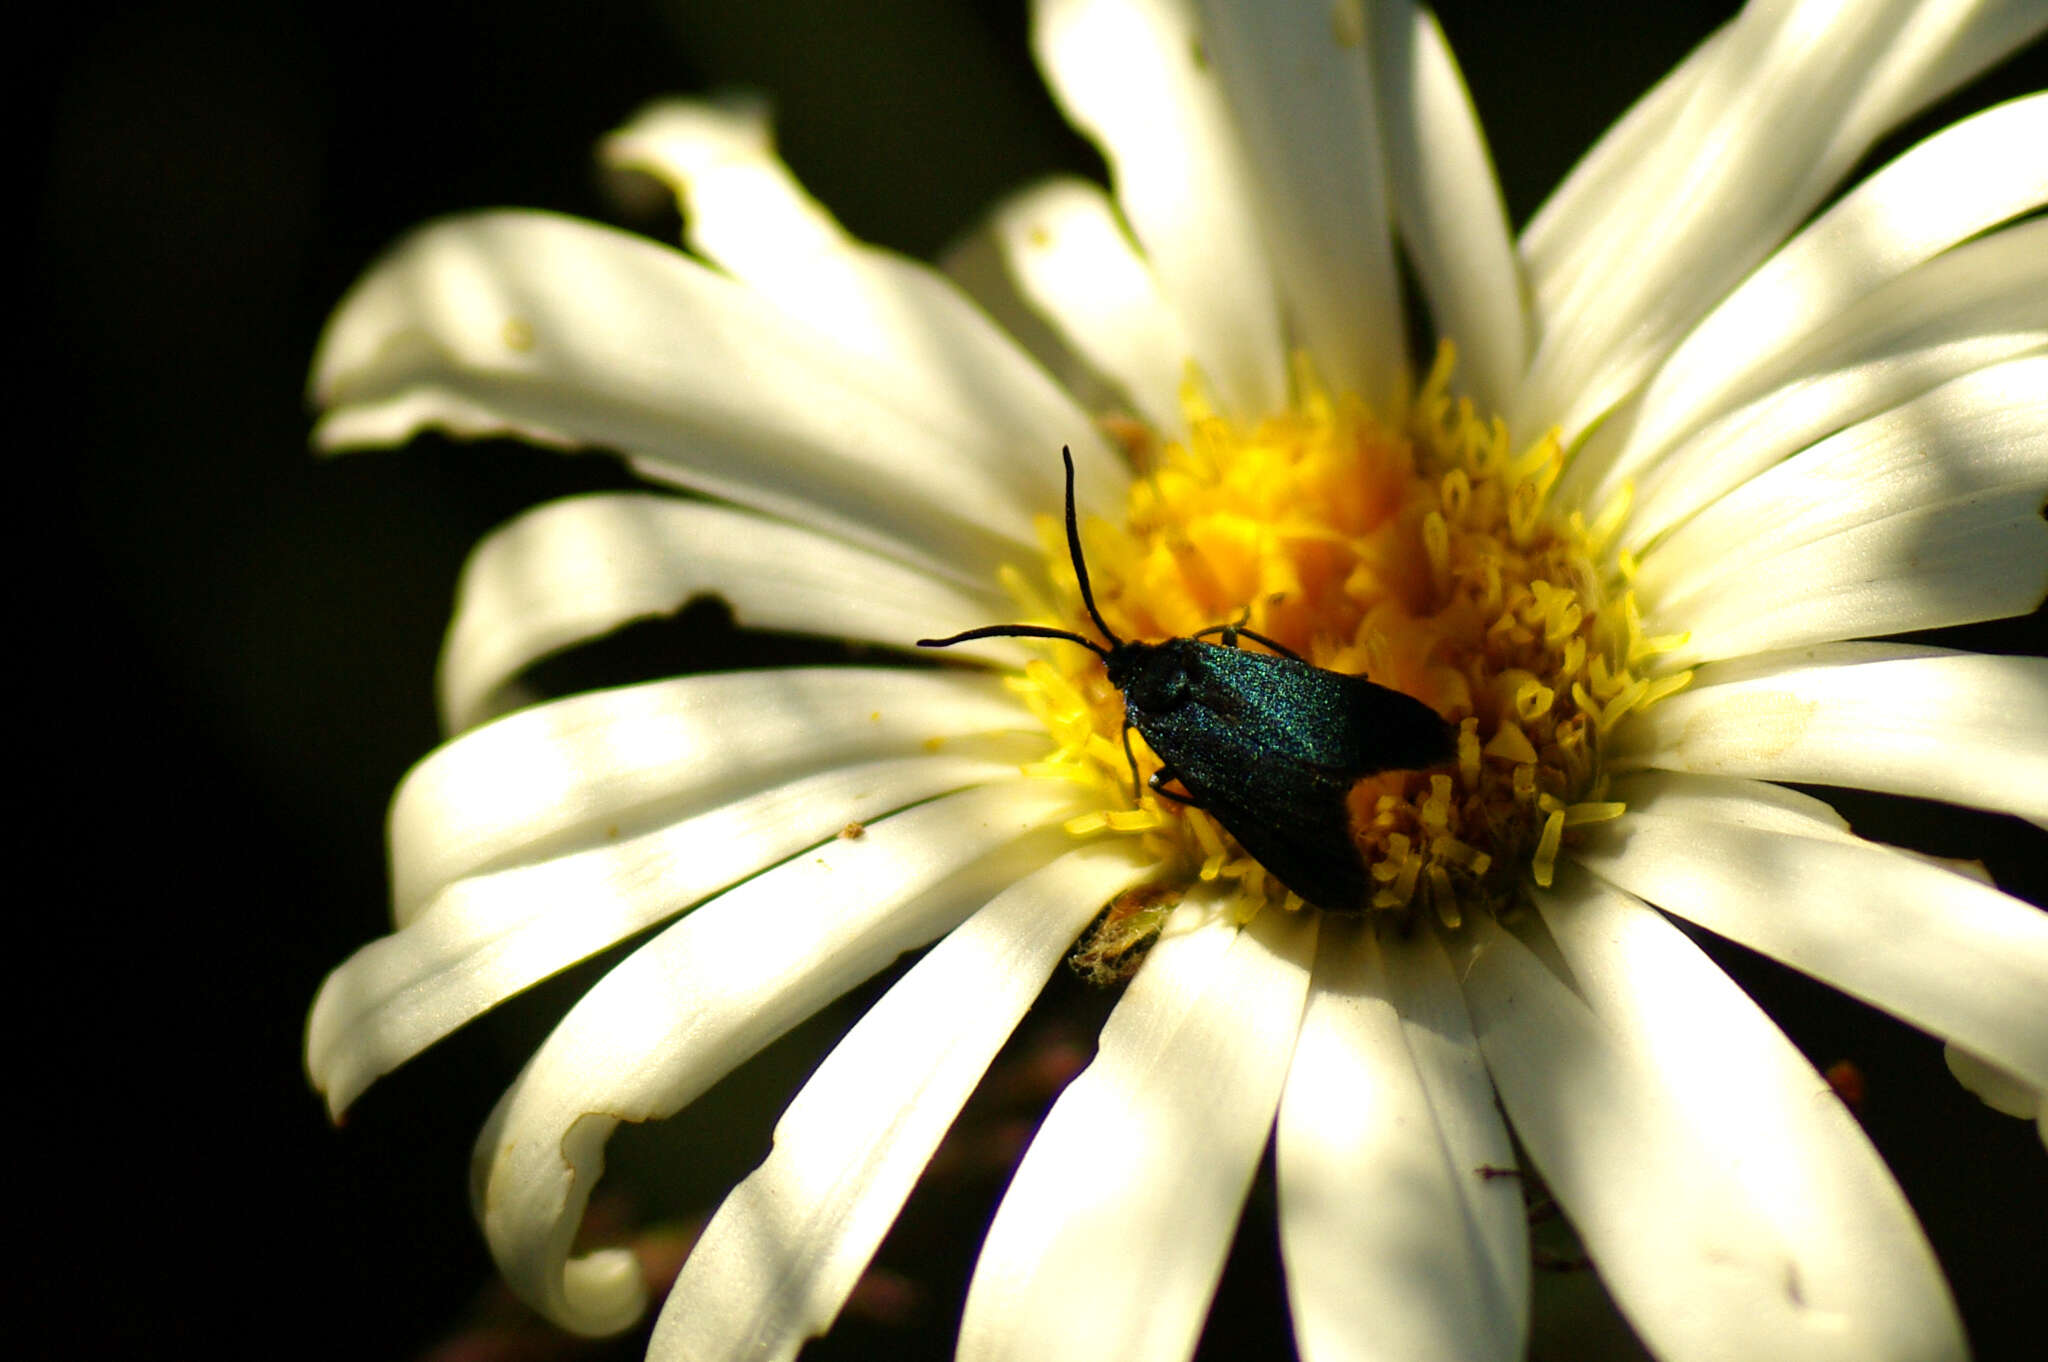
x=574 y=334
x=575 y=569
x=707 y=993
x=1916 y=721
x=1761 y=1107
x=1061 y=250
x=2000 y=1089
x=1110 y=1238
x=592 y=769
x=485 y=938
x=1937 y=949
x=1384 y=1259
x=747 y=213
x=1132 y=75
x=779 y=1258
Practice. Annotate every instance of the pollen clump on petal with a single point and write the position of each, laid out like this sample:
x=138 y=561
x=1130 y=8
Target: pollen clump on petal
x=1417 y=549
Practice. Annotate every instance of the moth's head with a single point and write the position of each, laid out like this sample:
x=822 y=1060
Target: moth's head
x=1154 y=677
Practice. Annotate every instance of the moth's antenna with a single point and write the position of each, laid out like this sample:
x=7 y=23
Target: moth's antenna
x=1080 y=563
x=1016 y=631
x=1040 y=630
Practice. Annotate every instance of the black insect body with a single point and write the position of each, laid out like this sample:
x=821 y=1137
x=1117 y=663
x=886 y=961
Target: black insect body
x=1267 y=743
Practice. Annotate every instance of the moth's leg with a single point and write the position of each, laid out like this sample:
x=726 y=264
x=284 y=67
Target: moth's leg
x=1131 y=761
x=1276 y=646
x=1230 y=633
x=1158 y=783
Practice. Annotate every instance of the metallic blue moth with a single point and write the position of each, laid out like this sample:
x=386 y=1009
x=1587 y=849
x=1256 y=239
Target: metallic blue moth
x=1267 y=743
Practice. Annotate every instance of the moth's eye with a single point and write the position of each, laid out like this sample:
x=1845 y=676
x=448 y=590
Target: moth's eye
x=1159 y=686
x=1174 y=684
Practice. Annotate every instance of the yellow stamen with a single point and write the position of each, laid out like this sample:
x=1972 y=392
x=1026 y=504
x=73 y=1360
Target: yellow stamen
x=1543 y=865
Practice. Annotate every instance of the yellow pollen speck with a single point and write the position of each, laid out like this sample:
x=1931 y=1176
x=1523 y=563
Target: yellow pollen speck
x=1419 y=549
x=1347 y=22
x=518 y=334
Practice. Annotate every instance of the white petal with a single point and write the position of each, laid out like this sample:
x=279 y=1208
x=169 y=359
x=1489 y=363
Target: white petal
x=1981 y=303
x=1969 y=177
x=1752 y=439
x=1943 y=44
x=1938 y=949
x=706 y=994
x=1132 y=76
x=488 y=937
x=1874 y=509
x=1298 y=89
x=777 y=1261
x=1691 y=1259
x=1560 y=239
x=1453 y=222
x=1060 y=248
x=976 y=265
x=1982 y=556
x=1439 y=1034
x=591 y=769
x=1110 y=1238
x=2000 y=1089
x=1751 y=1097
x=1933 y=48
x=575 y=569
x=1755 y=144
x=1744 y=803
x=1985 y=431
x=569 y=333
x=748 y=214
x=1955 y=726
x=1383 y=1258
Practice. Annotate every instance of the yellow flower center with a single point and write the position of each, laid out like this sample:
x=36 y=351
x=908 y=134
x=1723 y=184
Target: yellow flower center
x=1418 y=551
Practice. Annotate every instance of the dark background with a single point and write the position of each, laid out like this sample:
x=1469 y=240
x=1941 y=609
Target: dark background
x=230 y=644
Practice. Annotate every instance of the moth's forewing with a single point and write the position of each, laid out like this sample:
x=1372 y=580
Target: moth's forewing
x=1324 y=718
x=1309 y=848
x=1287 y=813
x=1270 y=746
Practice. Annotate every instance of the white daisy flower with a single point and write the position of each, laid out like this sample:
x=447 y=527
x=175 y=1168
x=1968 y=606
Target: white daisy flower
x=1626 y=539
